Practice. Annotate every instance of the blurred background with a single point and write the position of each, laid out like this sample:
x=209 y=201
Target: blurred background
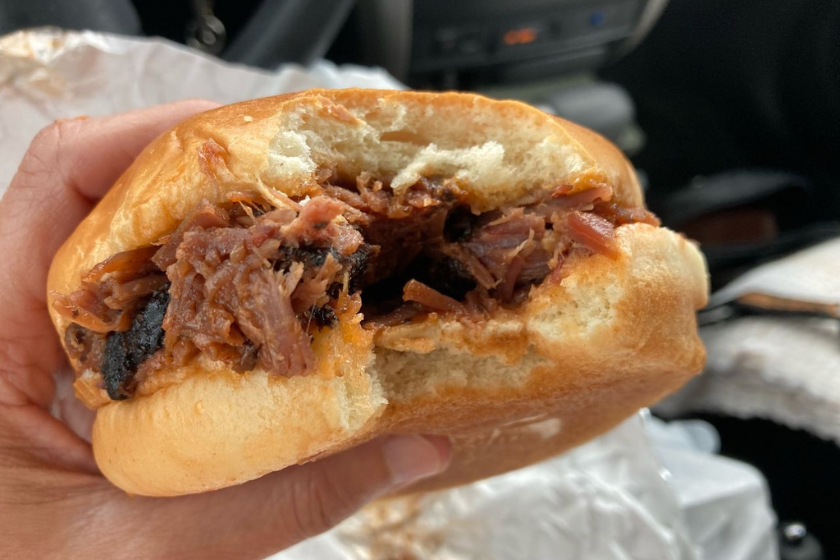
x=730 y=111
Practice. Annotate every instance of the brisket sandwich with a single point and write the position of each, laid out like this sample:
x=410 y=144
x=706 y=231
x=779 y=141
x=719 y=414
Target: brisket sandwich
x=277 y=280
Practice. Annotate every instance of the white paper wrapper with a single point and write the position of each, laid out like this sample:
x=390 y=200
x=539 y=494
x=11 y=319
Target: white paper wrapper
x=786 y=370
x=605 y=500
x=51 y=74
x=611 y=499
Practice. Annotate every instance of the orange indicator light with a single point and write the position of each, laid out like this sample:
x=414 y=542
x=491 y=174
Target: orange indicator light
x=521 y=36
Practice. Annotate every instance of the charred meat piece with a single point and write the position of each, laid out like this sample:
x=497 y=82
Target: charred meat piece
x=125 y=350
x=323 y=316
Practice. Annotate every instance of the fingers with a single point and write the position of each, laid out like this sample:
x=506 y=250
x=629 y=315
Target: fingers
x=88 y=154
x=68 y=166
x=281 y=509
x=68 y=408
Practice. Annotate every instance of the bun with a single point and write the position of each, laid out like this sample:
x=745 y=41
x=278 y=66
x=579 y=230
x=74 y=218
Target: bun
x=575 y=359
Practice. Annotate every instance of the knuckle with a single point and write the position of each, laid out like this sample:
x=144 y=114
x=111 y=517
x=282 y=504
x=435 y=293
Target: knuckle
x=47 y=135
x=44 y=156
x=57 y=133
x=41 y=154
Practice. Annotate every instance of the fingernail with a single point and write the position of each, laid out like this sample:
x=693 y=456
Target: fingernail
x=413 y=457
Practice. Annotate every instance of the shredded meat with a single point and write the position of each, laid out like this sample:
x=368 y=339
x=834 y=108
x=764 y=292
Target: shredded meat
x=400 y=225
x=621 y=215
x=110 y=291
x=84 y=346
x=561 y=199
x=239 y=289
x=402 y=314
x=593 y=232
x=429 y=297
x=464 y=264
x=314 y=226
x=246 y=281
x=505 y=246
x=205 y=215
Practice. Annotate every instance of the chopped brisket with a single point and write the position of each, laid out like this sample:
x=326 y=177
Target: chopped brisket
x=245 y=282
x=429 y=297
x=593 y=232
x=234 y=289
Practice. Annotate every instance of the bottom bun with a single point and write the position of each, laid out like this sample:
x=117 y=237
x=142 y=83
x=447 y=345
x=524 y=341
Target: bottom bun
x=573 y=361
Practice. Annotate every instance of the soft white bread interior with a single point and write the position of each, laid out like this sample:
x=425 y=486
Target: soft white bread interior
x=615 y=335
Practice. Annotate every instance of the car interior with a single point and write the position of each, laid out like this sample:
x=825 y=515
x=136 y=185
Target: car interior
x=728 y=110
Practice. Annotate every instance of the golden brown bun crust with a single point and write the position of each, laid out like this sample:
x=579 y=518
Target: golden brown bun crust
x=573 y=361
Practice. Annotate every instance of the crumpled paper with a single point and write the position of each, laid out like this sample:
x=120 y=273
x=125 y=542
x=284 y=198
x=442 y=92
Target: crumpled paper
x=610 y=499
x=642 y=491
x=605 y=500
x=786 y=370
x=48 y=74
x=723 y=502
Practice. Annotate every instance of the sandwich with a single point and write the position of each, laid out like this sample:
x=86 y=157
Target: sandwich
x=278 y=280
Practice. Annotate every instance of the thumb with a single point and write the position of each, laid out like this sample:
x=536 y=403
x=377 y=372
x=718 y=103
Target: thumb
x=274 y=512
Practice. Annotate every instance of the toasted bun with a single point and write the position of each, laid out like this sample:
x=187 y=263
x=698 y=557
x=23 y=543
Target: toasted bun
x=571 y=362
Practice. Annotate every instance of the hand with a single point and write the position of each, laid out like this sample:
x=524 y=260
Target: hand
x=54 y=503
